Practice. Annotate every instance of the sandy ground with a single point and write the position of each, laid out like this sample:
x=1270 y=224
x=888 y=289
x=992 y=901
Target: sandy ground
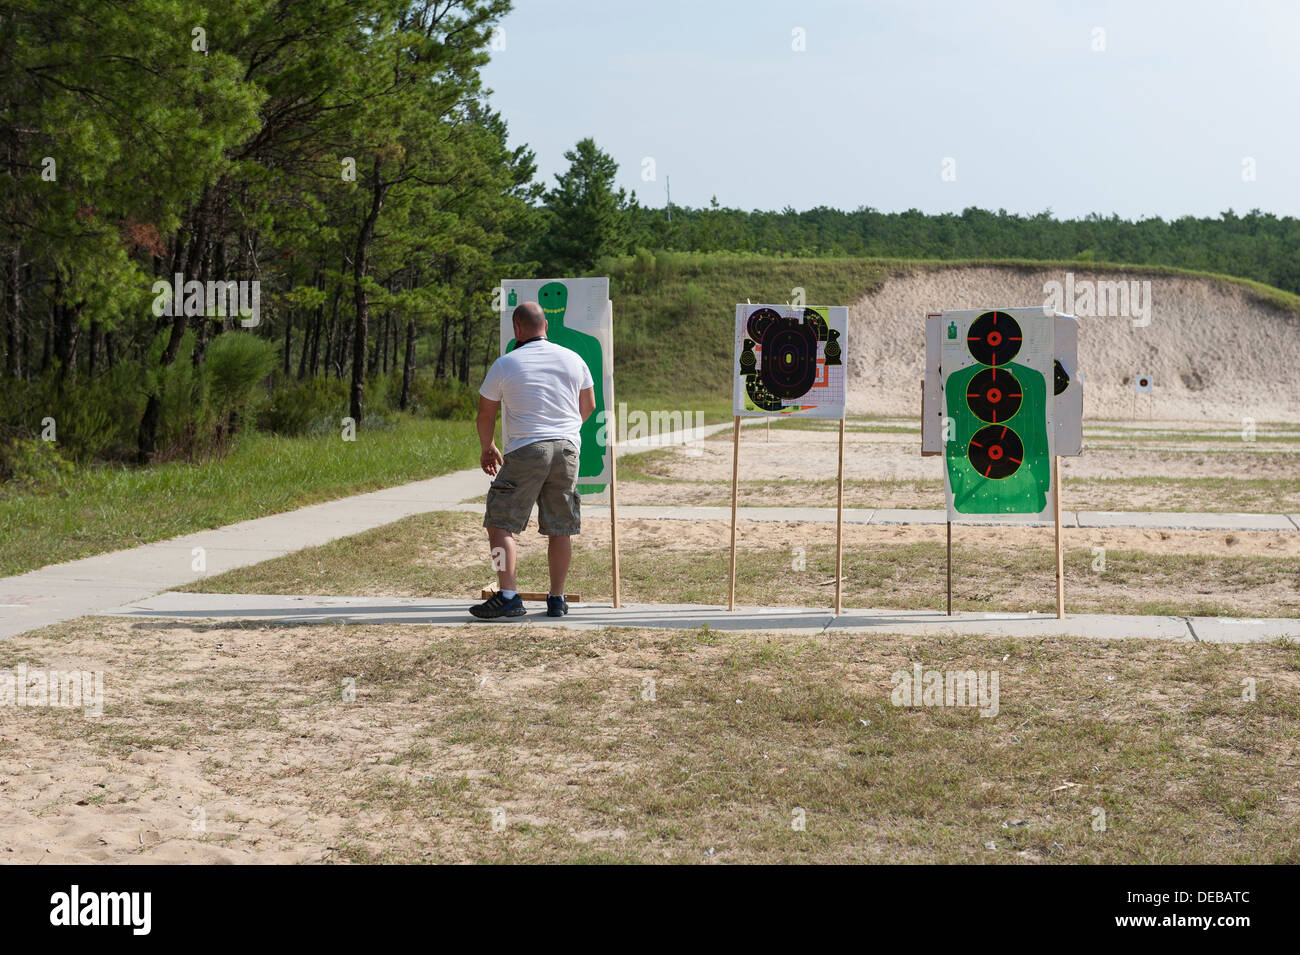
x=701 y=474
x=1213 y=350
x=233 y=744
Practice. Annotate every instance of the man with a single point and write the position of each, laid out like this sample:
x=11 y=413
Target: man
x=547 y=394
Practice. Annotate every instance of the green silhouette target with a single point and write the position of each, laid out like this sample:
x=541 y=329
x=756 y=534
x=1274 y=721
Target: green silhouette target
x=998 y=447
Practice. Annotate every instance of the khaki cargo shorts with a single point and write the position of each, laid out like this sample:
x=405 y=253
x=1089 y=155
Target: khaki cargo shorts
x=544 y=473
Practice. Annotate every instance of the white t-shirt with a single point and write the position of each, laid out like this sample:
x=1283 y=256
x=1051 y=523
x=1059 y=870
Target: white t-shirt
x=538 y=386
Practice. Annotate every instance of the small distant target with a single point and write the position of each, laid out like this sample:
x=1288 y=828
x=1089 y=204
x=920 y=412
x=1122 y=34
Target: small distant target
x=996 y=452
x=1142 y=384
x=994 y=395
x=994 y=338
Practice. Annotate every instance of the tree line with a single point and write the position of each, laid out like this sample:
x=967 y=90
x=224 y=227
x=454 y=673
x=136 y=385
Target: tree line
x=344 y=156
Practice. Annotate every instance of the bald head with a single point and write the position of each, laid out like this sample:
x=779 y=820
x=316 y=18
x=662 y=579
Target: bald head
x=530 y=321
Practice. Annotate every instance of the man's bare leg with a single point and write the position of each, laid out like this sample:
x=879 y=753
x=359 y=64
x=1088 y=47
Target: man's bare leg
x=559 y=552
x=503 y=556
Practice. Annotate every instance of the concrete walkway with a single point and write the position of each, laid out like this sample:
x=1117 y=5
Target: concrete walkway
x=95 y=584
x=298 y=610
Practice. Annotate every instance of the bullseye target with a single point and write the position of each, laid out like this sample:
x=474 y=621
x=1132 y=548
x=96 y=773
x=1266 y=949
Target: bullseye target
x=994 y=395
x=994 y=338
x=789 y=359
x=996 y=452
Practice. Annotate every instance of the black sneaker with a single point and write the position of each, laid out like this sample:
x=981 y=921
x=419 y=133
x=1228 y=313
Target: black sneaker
x=556 y=606
x=497 y=606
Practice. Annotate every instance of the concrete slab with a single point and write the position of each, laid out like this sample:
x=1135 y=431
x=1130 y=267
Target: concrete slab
x=886 y=515
x=1294 y=519
x=443 y=612
x=1244 y=629
x=893 y=515
x=1096 y=626
x=1189 y=521
x=800 y=620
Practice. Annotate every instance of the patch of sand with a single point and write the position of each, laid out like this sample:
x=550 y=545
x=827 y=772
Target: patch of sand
x=1214 y=351
x=702 y=475
x=753 y=535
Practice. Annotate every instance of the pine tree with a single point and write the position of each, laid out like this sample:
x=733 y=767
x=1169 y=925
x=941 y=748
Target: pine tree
x=587 y=218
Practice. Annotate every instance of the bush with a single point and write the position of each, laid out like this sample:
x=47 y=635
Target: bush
x=32 y=464
x=443 y=398
x=92 y=419
x=234 y=367
x=315 y=405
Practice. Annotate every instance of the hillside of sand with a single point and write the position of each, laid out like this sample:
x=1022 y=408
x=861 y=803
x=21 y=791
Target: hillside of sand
x=1215 y=351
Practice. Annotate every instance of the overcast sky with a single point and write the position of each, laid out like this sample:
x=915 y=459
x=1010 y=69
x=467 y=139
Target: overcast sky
x=1163 y=119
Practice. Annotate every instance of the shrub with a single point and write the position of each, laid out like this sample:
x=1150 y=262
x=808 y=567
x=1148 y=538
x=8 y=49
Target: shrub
x=444 y=398
x=32 y=464
x=235 y=365
x=297 y=407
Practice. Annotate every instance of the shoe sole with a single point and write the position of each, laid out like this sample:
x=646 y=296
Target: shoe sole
x=497 y=616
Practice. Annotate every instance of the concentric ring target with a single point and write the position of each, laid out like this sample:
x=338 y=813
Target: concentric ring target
x=789 y=360
x=996 y=452
x=994 y=338
x=994 y=395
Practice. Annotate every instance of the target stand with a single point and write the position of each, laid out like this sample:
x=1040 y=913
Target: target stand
x=1001 y=401
x=789 y=363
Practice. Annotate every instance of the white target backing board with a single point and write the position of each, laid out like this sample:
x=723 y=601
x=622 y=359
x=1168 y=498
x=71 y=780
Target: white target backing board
x=1068 y=388
x=790 y=361
x=1067 y=385
x=1143 y=384
x=994 y=412
x=580 y=317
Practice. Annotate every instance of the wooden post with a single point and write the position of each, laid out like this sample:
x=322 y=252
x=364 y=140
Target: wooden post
x=611 y=437
x=950 y=568
x=735 y=472
x=839 y=525
x=1060 y=554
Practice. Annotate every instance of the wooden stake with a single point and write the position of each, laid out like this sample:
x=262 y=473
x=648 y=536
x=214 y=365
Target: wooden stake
x=839 y=525
x=1060 y=554
x=950 y=568
x=613 y=500
x=735 y=473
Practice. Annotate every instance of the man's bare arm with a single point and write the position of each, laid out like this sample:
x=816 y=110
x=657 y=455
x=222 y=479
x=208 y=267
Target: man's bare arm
x=586 y=402
x=490 y=459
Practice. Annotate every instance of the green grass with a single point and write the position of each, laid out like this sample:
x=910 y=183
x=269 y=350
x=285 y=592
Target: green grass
x=105 y=508
x=444 y=554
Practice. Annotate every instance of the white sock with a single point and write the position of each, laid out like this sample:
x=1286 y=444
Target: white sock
x=509 y=594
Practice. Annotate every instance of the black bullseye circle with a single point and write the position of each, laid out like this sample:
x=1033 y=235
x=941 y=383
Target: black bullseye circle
x=790 y=360
x=994 y=395
x=996 y=452
x=994 y=338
